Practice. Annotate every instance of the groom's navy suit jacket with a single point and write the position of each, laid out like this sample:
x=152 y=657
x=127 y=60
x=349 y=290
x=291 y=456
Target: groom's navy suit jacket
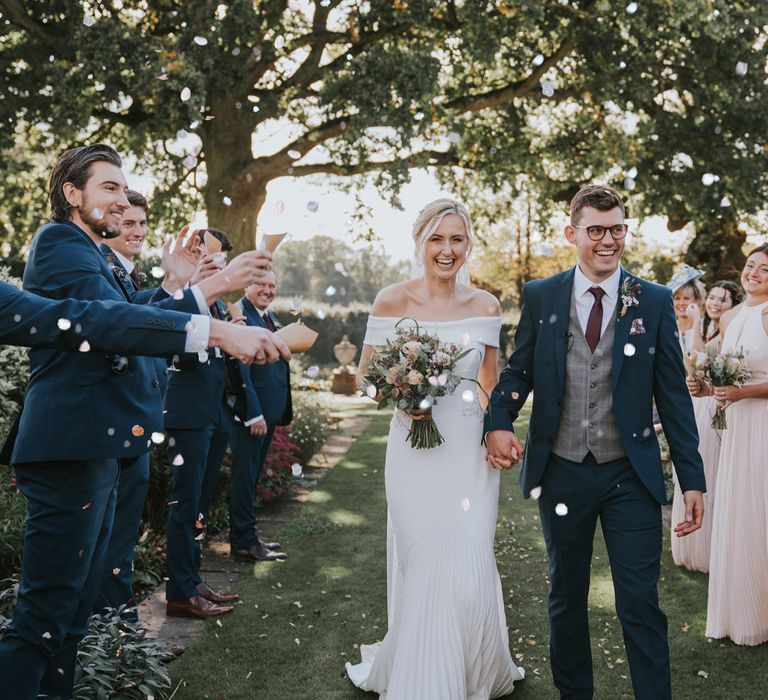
x=77 y=407
x=647 y=365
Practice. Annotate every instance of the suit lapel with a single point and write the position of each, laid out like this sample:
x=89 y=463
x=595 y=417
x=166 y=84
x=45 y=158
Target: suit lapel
x=562 y=311
x=621 y=337
x=252 y=314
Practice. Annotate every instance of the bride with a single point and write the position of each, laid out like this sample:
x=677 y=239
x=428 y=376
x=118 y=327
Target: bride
x=447 y=637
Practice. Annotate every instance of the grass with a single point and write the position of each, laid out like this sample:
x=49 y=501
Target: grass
x=301 y=620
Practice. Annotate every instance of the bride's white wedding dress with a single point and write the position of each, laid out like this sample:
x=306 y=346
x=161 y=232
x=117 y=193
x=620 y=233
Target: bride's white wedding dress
x=447 y=637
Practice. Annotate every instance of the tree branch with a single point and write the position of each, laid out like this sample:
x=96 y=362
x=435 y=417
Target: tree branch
x=421 y=159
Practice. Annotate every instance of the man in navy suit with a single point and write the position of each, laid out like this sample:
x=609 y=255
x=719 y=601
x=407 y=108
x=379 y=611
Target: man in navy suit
x=597 y=346
x=199 y=426
x=116 y=590
x=83 y=412
x=267 y=405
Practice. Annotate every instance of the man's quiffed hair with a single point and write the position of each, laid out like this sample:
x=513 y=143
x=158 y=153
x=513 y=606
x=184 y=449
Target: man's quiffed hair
x=226 y=245
x=136 y=199
x=600 y=197
x=74 y=166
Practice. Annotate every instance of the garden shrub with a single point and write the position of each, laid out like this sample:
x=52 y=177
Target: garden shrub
x=13 y=507
x=311 y=423
x=277 y=473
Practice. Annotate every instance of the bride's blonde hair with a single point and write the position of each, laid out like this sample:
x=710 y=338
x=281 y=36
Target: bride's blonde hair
x=429 y=218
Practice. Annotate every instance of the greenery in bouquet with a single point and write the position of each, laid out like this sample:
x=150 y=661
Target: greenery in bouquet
x=720 y=369
x=411 y=373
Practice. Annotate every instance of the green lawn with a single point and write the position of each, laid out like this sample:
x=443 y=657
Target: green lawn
x=300 y=621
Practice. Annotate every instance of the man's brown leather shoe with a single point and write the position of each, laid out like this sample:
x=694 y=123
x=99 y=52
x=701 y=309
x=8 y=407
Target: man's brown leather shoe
x=195 y=607
x=205 y=591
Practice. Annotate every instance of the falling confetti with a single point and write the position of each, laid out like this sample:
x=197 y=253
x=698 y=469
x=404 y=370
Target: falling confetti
x=708 y=179
x=296 y=469
x=178 y=294
x=632 y=8
x=17 y=317
x=178 y=460
x=158 y=438
x=741 y=68
x=538 y=59
x=371 y=391
x=313 y=371
x=330 y=290
x=85 y=346
x=87 y=505
x=725 y=201
x=426 y=403
x=116 y=570
x=464 y=504
x=97 y=213
x=553 y=318
x=64 y=324
x=47 y=635
x=185 y=94
x=629 y=349
x=227 y=201
x=201 y=41
x=547 y=88
x=453 y=137
x=467 y=396
x=312 y=206
x=339 y=267
x=110 y=431
x=89 y=20
x=536 y=493
x=190 y=161
x=157 y=272
x=280 y=207
x=294 y=154
x=561 y=509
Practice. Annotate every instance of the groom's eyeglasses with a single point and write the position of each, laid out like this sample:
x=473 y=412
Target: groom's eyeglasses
x=596 y=233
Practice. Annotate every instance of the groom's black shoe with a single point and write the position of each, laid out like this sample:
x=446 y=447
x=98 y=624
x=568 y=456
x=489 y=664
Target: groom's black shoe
x=270 y=545
x=258 y=552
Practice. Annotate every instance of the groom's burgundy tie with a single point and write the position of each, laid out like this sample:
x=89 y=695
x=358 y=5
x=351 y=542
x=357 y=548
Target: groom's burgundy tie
x=595 y=321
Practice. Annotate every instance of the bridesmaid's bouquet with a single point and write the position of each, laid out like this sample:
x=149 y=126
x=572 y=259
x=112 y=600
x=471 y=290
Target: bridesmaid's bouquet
x=411 y=372
x=724 y=369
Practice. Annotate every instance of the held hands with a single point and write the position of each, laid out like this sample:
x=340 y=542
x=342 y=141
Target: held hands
x=504 y=449
x=248 y=343
x=258 y=428
x=694 y=513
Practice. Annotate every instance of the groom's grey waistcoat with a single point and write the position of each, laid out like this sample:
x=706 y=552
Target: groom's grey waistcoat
x=587 y=423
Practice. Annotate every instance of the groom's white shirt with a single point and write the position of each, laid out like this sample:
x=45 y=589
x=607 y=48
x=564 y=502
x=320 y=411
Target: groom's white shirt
x=584 y=300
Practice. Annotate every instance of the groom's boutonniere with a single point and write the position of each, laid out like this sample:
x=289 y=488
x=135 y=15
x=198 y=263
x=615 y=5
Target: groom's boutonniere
x=630 y=291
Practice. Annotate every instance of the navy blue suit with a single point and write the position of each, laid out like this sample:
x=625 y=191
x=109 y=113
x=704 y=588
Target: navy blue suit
x=267 y=394
x=625 y=494
x=80 y=418
x=199 y=427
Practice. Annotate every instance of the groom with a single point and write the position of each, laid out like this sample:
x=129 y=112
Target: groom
x=597 y=346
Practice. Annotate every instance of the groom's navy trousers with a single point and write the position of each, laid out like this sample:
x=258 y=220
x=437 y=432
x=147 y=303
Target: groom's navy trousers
x=630 y=519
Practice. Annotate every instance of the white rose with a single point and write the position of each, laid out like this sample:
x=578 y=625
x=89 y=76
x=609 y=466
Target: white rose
x=415 y=377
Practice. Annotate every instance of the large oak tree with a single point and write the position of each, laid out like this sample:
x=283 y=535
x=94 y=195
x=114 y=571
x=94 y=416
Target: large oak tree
x=665 y=99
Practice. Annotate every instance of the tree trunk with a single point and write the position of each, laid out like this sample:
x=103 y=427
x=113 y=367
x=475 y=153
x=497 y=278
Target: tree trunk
x=716 y=248
x=235 y=190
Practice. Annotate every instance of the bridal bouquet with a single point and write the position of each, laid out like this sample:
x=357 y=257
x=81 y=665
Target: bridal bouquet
x=725 y=369
x=412 y=372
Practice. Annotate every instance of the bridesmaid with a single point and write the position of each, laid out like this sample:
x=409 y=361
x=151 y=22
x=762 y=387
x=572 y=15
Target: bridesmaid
x=687 y=296
x=738 y=573
x=692 y=552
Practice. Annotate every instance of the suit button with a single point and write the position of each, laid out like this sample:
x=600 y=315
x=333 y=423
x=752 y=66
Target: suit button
x=593 y=366
x=591 y=405
x=549 y=439
x=155 y=382
x=592 y=385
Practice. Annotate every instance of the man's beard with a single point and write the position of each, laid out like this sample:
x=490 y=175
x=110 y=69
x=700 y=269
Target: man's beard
x=96 y=220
